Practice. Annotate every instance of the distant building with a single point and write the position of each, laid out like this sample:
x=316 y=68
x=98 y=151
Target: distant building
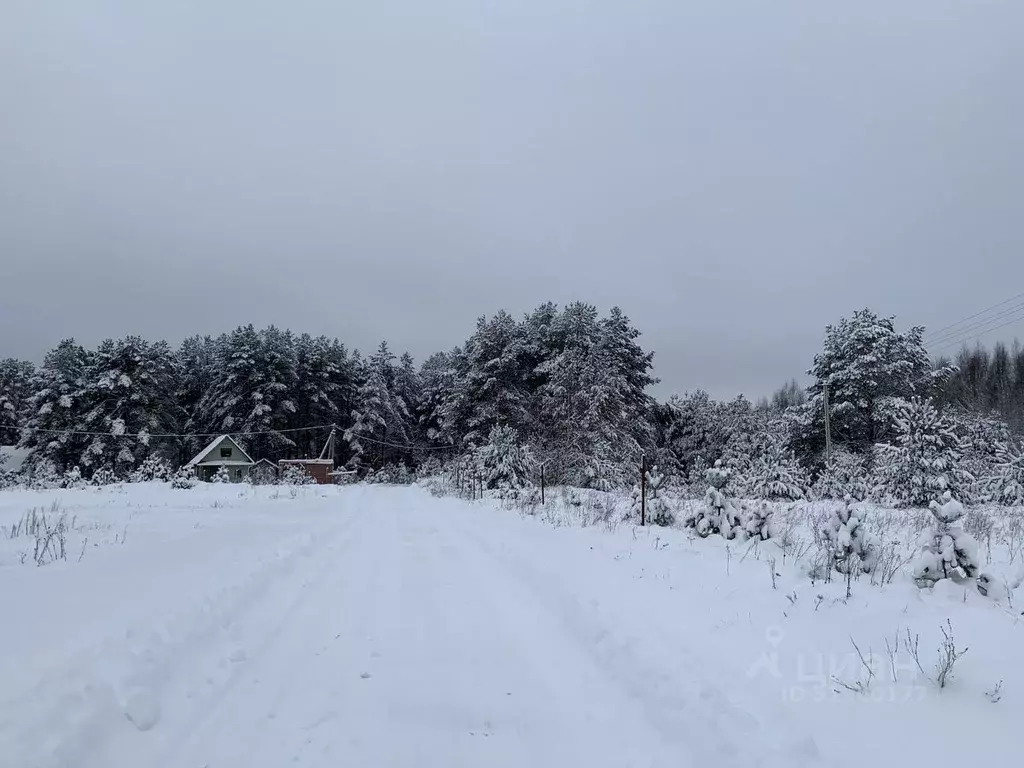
x=222 y=452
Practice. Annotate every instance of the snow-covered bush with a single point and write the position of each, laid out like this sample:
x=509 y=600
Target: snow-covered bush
x=43 y=476
x=756 y=520
x=850 y=543
x=222 y=475
x=296 y=475
x=153 y=468
x=73 y=479
x=104 y=476
x=503 y=462
x=717 y=476
x=430 y=467
x=184 y=479
x=948 y=551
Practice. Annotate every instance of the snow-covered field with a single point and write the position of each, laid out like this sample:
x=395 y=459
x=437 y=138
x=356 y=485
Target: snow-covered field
x=383 y=626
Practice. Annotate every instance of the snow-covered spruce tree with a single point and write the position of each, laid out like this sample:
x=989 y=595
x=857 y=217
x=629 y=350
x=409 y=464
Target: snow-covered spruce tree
x=503 y=463
x=843 y=475
x=1005 y=485
x=924 y=462
x=948 y=551
x=851 y=544
x=222 y=476
x=775 y=474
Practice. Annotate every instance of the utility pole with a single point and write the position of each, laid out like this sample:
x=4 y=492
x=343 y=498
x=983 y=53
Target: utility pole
x=828 y=428
x=643 y=489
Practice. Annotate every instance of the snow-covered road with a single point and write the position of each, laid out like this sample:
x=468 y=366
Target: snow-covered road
x=385 y=627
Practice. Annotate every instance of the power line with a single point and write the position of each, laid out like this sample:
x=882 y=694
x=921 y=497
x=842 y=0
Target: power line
x=933 y=335
x=983 y=332
x=966 y=330
x=360 y=438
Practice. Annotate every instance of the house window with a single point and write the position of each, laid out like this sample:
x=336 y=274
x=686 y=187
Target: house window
x=225 y=453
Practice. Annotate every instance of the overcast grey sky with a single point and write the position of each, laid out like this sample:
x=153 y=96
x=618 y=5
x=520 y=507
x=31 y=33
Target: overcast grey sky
x=735 y=175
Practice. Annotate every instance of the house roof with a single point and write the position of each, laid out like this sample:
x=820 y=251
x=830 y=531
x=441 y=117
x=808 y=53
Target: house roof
x=198 y=458
x=306 y=461
x=267 y=462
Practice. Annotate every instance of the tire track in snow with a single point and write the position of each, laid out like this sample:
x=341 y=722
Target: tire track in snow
x=108 y=702
x=687 y=708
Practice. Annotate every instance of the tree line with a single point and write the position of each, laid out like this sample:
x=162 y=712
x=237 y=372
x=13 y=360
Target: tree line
x=568 y=386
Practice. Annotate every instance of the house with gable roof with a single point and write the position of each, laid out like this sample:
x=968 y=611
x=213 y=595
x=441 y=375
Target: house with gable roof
x=225 y=453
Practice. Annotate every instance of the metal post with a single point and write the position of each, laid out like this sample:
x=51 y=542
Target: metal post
x=643 y=489
x=828 y=428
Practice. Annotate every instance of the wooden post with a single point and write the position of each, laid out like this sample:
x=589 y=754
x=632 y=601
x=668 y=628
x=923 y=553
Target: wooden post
x=643 y=489
x=541 y=483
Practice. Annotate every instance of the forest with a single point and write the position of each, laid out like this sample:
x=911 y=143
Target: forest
x=566 y=388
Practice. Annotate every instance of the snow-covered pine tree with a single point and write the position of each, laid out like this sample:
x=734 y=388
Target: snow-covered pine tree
x=56 y=411
x=593 y=407
x=503 y=462
x=1005 y=485
x=851 y=544
x=252 y=392
x=719 y=514
x=195 y=363
x=379 y=434
x=844 y=475
x=864 y=363
x=15 y=390
x=324 y=391
x=925 y=461
x=222 y=476
x=129 y=394
x=948 y=551
x=775 y=474
x=495 y=379
x=659 y=511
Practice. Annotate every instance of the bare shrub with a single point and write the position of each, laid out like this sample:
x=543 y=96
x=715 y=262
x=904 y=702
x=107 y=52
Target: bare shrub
x=948 y=656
